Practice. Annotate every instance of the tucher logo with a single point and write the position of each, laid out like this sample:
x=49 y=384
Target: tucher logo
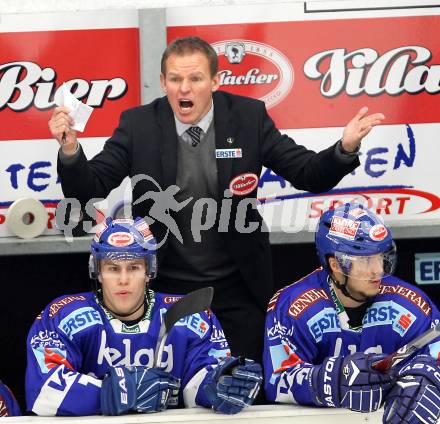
x=256 y=69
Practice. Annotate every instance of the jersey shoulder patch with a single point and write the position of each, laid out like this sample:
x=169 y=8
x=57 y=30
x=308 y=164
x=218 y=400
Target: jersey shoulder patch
x=402 y=292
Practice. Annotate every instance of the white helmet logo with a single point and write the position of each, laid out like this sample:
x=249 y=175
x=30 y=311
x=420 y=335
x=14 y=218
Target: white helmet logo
x=120 y=239
x=378 y=232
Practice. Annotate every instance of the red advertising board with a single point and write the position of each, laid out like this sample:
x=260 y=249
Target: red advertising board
x=100 y=66
x=319 y=73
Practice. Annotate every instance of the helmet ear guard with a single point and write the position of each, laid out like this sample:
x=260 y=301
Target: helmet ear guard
x=93 y=271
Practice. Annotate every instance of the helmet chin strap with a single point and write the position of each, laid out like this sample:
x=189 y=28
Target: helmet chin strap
x=344 y=290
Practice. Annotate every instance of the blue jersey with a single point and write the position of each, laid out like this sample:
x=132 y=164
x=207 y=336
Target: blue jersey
x=305 y=324
x=8 y=405
x=75 y=340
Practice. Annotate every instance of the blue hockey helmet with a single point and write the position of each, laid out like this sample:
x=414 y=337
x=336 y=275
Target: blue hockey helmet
x=351 y=232
x=123 y=239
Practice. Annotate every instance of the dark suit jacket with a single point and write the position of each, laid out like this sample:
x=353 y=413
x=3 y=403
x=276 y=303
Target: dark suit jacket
x=145 y=143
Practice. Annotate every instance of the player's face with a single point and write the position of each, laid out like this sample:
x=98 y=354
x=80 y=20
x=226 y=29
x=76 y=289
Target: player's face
x=123 y=285
x=365 y=276
x=189 y=85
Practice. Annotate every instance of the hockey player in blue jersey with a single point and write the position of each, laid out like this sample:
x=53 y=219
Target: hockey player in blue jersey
x=324 y=332
x=92 y=353
x=8 y=405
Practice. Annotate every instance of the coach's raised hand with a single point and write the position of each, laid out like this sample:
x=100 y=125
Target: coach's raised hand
x=359 y=127
x=60 y=126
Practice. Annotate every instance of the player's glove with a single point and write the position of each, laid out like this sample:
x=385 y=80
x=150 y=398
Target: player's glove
x=233 y=385
x=8 y=404
x=139 y=389
x=349 y=382
x=415 y=398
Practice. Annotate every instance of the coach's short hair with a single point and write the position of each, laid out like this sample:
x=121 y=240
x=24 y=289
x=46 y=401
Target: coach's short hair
x=188 y=45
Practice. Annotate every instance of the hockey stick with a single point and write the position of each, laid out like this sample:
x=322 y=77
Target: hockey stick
x=394 y=358
x=196 y=301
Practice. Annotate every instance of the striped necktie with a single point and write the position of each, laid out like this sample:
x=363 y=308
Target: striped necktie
x=194 y=133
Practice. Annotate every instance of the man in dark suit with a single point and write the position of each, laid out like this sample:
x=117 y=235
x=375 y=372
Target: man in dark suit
x=185 y=140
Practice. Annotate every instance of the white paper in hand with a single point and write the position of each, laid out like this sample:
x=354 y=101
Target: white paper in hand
x=79 y=112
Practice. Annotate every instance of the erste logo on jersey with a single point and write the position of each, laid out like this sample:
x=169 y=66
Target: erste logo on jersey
x=326 y=321
x=195 y=323
x=254 y=69
x=344 y=227
x=79 y=320
x=389 y=313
